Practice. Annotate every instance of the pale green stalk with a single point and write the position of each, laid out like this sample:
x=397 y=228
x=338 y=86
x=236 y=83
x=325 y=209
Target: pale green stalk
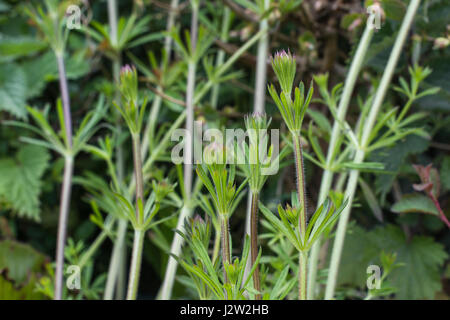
x=301 y=193
x=327 y=176
x=138 y=243
x=136 y=261
x=202 y=92
x=149 y=133
x=258 y=107
x=221 y=54
x=116 y=256
x=361 y=151
x=67 y=179
x=166 y=290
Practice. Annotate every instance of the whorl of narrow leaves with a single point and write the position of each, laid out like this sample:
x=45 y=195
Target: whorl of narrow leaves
x=292 y=112
x=131 y=111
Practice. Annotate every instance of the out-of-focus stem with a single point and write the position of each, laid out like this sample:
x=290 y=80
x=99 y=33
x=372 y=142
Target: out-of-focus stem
x=360 y=152
x=67 y=180
x=259 y=106
x=116 y=258
x=327 y=176
x=62 y=226
x=166 y=289
x=135 y=268
x=221 y=54
x=119 y=245
x=261 y=66
x=149 y=133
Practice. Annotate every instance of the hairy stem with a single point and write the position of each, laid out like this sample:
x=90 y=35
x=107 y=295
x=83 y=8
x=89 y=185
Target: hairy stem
x=135 y=268
x=327 y=176
x=300 y=181
x=225 y=236
x=360 y=153
x=138 y=173
x=254 y=242
x=302 y=264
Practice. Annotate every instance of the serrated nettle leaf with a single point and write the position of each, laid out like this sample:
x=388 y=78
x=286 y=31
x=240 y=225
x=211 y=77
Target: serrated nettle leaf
x=20 y=185
x=421 y=258
x=13 y=90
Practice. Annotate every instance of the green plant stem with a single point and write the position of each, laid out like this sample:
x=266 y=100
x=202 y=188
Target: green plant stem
x=261 y=66
x=327 y=176
x=175 y=248
x=190 y=91
x=92 y=249
x=204 y=89
x=116 y=257
x=119 y=245
x=300 y=181
x=62 y=225
x=135 y=268
x=225 y=236
x=301 y=193
x=216 y=248
x=166 y=289
x=138 y=243
x=221 y=54
x=360 y=152
x=67 y=180
x=302 y=282
x=149 y=133
x=258 y=107
x=254 y=242
x=138 y=173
